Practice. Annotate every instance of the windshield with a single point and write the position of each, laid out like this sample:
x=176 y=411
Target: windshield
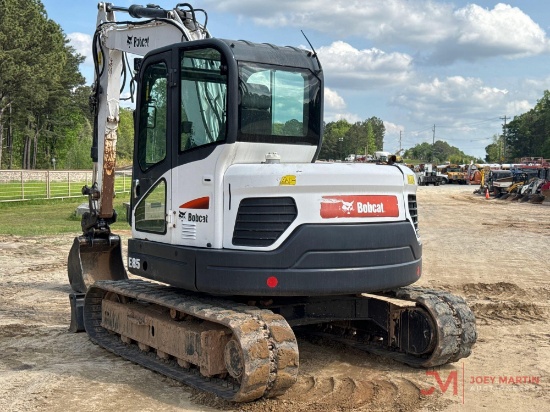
x=278 y=105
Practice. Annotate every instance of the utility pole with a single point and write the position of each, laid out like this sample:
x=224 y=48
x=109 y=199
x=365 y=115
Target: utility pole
x=400 y=131
x=433 y=144
x=504 y=137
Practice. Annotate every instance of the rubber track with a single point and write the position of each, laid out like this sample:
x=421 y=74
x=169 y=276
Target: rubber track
x=454 y=321
x=456 y=327
x=268 y=344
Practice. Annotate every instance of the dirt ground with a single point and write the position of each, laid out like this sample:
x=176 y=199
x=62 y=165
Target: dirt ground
x=491 y=252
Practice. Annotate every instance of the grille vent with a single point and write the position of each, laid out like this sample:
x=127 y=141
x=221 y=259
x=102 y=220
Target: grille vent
x=413 y=210
x=262 y=220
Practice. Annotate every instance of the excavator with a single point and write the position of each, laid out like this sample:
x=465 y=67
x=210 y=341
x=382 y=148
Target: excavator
x=239 y=239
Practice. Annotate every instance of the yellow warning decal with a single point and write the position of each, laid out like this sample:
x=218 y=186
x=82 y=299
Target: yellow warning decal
x=288 y=180
x=411 y=180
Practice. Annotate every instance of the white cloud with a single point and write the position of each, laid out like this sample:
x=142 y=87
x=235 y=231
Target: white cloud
x=387 y=20
x=83 y=45
x=481 y=33
x=518 y=107
x=442 y=98
x=443 y=32
x=533 y=89
x=461 y=108
x=392 y=128
x=333 y=101
x=335 y=108
x=347 y=67
x=350 y=117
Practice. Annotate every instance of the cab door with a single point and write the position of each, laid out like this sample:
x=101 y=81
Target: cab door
x=199 y=149
x=151 y=185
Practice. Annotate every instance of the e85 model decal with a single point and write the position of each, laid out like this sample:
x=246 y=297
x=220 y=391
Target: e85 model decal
x=134 y=263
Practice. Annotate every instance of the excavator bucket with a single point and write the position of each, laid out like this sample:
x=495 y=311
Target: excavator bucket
x=95 y=259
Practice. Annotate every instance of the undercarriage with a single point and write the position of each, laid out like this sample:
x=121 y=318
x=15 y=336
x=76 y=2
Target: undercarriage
x=243 y=349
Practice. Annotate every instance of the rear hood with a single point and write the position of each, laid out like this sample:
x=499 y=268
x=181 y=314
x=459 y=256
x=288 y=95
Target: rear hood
x=323 y=193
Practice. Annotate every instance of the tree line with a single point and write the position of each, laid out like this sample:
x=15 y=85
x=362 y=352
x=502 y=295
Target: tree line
x=40 y=88
x=438 y=153
x=45 y=118
x=342 y=138
x=527 y=135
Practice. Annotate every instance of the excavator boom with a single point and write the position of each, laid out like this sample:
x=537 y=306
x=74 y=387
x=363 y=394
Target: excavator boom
x=97 y=253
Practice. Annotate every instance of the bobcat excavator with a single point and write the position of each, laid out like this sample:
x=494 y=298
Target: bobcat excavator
x=243 y=238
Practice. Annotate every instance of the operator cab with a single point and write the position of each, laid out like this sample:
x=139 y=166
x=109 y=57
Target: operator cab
x=206 y=105
x=227 y=92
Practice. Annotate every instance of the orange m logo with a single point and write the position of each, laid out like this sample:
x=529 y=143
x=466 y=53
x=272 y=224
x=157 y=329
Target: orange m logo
x=453 y=377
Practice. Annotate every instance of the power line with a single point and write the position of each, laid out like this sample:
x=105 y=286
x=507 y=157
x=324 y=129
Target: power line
x=492 y=119
x=470 y=124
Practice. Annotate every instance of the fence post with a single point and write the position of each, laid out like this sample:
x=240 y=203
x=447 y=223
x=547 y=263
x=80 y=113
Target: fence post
x=22 y=187
x=48 y=185
x=69 y=184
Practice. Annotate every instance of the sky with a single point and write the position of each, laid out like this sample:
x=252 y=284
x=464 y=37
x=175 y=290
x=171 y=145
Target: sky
x=430 y=69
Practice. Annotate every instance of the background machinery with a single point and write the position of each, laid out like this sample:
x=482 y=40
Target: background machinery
x=245 y=239
x=456 y=173
x=429 y=176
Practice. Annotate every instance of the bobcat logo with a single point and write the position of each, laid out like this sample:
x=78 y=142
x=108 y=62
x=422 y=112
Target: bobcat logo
x=359 y=206
x=135 y=41
x=347 y=207
x=182 y=215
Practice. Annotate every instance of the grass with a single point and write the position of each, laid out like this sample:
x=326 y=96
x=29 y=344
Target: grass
x=51 y=217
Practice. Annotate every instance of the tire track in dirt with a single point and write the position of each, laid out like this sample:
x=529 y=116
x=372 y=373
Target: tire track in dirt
x=505 y=302
x=327 y=394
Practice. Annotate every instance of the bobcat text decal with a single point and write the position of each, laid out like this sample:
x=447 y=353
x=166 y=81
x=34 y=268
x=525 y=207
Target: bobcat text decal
x=134 y=41
x=201 y=203
x=359 y=206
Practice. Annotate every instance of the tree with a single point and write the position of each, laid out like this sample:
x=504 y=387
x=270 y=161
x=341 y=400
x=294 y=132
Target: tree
x=38 y=76
x=528 y=135
x=494 y=150
x=439 y=152
x=379 y=131
x=422 y=152
x=333 y=140
x=342 y=138
x=125 y=140
x=371 y=139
